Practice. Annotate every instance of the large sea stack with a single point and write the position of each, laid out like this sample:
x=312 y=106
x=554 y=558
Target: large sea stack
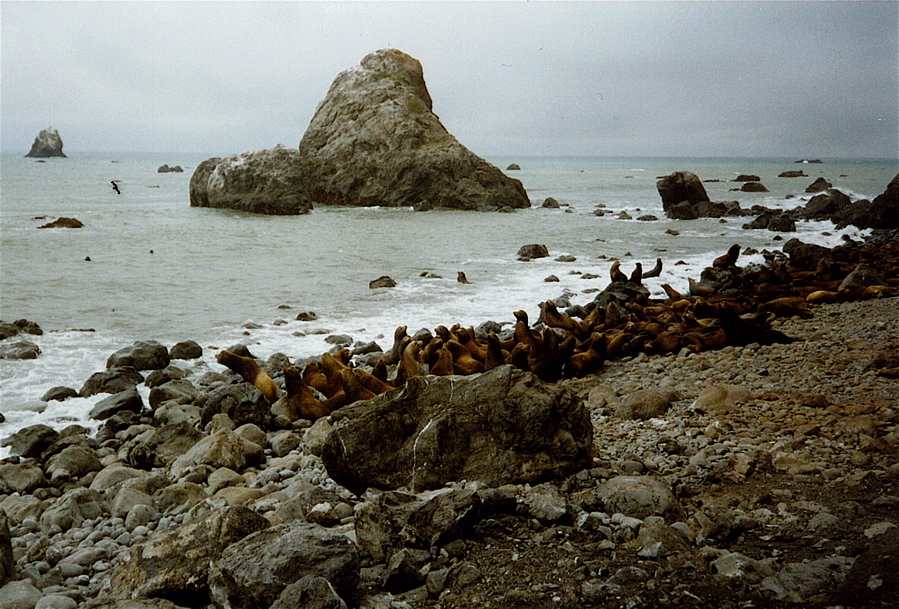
x=266 y=181
x=374 y=140
x=47 y=144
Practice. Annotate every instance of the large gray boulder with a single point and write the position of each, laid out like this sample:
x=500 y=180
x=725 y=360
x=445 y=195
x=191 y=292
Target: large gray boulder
x=374 y=140
x=253 y=572
x=266 y=181
x=175 y=563
x=47 y=144
x=142 y=355
x=502 y=426
x=680 y=187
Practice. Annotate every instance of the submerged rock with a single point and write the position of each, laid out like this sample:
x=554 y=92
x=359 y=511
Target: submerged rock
x=374 y=140
x=47 y=144
x=266 y=181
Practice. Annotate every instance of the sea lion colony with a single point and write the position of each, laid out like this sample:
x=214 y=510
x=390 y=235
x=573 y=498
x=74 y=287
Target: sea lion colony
x=730 y=305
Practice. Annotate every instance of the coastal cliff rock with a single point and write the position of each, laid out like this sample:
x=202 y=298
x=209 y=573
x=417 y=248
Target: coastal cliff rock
x=374 y=140
x=47 y=144
x=266 y=181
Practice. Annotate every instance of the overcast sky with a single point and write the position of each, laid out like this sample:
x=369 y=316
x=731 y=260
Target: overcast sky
x=797 y=79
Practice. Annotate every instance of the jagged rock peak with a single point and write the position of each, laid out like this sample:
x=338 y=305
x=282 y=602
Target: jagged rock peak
x=47 y=144
x=375 y=140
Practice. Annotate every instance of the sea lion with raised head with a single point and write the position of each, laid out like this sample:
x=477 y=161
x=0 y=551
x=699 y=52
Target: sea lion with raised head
x=251 y=372
x=301 y=401
x=616 y=273
x=654 y=271
x=729 y=259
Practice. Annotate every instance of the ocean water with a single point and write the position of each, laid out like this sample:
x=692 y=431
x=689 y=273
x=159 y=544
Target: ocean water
x=162 y=270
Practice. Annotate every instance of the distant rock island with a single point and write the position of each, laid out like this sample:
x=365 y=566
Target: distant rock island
x=373 y=141
x=47 y=144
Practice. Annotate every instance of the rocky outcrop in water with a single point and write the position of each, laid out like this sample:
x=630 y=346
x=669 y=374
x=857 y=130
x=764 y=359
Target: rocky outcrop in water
x=266 y=181
x=375 y=140
x=47 y=144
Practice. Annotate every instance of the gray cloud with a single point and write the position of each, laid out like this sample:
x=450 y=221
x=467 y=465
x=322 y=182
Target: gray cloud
x=594 y=78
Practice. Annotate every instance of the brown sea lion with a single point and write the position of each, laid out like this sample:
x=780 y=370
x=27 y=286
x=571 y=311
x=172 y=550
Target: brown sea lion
x=444 y=364
x=589 y=361
x=371 y=382
x=331 y=367
x=554 y=319
x=520 y=356
x=821 y=297
x=463 y=362
x=495 y=356
x=393 y=356
x=637 y=275
x=476 y=349
x=616 y=273
x=353 y=389
x=461 y=278
x=654 y=271
x=409 y=365
x=301 y=402
x=251 y=372
x=672 y=293
x=729 y=259
x=313 y=376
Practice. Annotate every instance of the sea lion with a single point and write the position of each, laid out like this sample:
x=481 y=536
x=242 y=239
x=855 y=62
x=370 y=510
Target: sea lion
x=463 y=362
x=672 y=294
x=589 y=361
x=821 y=297
x=409 y=365
x=372 y=382
x=313 y=376
x=616 y=273
x=699 y=289
x=301 y=402
x=467 y=339
x=554 y=319
x=461 y=278
x=729 y=259
x=495 y=356
x=251 y=372
x=331 y=367
x=637 y=275
x=353 y=389
x=654 y=271
x=396 y=351
x=444 y=364
x=741 y=332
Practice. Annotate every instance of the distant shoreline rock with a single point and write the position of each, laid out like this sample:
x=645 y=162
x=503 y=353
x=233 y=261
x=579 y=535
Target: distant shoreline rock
x=46 y=145
x=167 y=169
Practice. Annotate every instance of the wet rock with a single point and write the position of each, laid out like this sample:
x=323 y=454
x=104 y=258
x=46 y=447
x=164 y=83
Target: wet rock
x=269 y=181
x=532 y=251
x=73 y=508
x=242 y=403
x=545 y=502
x=501 y=426
x=158 y=447
x=224 y=448
x=186 y=350
x=30 y=442
x=72 y=463
x=382 y=282
x=59 y=394
x=175 y=563
x=374 y=140
x=112 y=380
x=127 y=400
x=166 y=169
x=19 y=595
x=753 y=187
x=64 y=223
x=819 y=185
x=550 y=203
x=142 y=355
x=21 y=477
x=255 y=571
x=862 y=276
x=140 y=603
x=19 y=349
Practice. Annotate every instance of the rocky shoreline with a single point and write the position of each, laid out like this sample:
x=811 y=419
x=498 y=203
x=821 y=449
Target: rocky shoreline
x=760 y=474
